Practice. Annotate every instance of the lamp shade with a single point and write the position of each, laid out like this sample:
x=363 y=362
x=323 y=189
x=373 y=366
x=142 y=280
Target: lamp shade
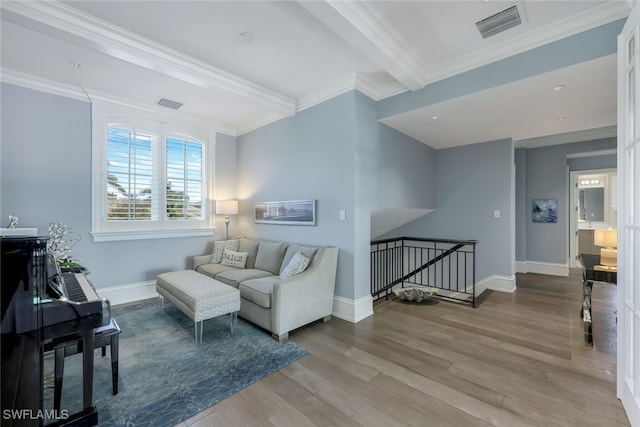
x=605 y=238
x=226 y=207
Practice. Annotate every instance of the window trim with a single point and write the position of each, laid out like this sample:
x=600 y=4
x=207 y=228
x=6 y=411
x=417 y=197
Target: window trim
x=106 y=113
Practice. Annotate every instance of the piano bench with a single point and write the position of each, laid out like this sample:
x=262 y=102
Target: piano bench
x=107 y=335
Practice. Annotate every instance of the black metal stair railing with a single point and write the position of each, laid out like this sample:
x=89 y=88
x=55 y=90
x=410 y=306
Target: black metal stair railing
x=448 y=265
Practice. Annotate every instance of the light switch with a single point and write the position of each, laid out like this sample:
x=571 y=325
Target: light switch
x=496 y=214
x=342 y=214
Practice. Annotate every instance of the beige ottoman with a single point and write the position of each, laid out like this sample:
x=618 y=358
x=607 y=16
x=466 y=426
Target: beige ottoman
x=200 y=297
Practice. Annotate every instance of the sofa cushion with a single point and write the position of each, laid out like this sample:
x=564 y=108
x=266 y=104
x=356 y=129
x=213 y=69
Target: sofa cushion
x=251 y=248
x=219 y=246
x=270 y=255
x=236 y=276
x=212 y=269
x=297 y=265
x=258 y=290
x=308 y=251
x=233 y=258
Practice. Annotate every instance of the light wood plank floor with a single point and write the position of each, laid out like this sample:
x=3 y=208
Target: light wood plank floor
x=516 y=360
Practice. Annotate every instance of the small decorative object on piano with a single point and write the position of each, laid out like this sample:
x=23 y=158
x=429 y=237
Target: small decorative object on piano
x=415 y=293
x=13 y=222
x=59 y=247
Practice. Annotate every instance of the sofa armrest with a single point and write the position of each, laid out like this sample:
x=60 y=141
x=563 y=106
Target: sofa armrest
x=306 y=297
x=199 y=260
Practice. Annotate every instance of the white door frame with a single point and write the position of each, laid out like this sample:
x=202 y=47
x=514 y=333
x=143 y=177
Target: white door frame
x=573 y=197
x=628 y=352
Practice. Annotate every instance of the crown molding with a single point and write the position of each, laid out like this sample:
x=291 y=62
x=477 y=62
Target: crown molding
x=596 y=16
x=358 y=82
x=594 y=153
x=163 y=113
x=568 y=137
x=341 y=86
x=89 y=95
x=43 y=85
x=258 y=122
x=377 y=91
x=60 y=20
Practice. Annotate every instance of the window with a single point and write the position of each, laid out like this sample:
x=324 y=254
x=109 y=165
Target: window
x=150 y=180
x=131 y=192
x=184 y=188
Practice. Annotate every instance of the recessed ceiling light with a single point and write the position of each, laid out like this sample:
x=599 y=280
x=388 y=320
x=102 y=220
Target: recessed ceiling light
x=558 y=88
x=75 y=64
x=246 y=37
x=562 y=118
x=435 y=117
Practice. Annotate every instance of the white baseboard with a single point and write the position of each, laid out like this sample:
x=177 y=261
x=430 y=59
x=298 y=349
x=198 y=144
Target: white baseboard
x=521 y=267
x=343 y=308
x=496 y=283
x=352 y=310
x=547 y=268
x=125 y=294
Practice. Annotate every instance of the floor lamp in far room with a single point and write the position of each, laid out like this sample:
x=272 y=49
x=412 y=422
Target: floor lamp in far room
x=226 y=208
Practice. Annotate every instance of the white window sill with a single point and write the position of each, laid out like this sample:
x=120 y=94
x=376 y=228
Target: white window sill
x=112 y=236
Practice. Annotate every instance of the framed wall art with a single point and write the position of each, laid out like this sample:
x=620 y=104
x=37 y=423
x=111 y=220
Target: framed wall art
x=293 y=212
x=544 y=210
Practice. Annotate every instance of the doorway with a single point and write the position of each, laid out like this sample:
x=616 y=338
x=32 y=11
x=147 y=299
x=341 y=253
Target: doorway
x=593 y=205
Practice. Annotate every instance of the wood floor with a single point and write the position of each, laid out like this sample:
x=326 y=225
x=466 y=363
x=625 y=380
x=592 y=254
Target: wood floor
x=516 y=360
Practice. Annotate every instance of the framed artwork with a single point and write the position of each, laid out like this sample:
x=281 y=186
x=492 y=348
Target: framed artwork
x=294 y=212
x=544 y=210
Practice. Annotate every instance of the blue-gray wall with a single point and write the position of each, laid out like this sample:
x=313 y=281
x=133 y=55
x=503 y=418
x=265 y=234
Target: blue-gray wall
x=406 y=172
x=338 y=154
x=307 y=156
x=547 y=177
x=46 y=177
x=472 y=182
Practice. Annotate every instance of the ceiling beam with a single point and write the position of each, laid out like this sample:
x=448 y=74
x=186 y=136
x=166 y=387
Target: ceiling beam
x=362 y=26
x=59 y=20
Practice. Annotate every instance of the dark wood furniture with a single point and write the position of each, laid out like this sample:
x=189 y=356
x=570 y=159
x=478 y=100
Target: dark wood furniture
x=68 y=346
x=591 y=274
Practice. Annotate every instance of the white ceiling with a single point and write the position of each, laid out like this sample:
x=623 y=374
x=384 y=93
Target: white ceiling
x=308 y=51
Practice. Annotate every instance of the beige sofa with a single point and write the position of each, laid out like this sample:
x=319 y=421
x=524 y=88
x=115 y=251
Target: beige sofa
x=277 y=304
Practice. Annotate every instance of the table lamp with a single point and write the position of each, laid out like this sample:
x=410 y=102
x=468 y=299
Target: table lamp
x=226 y=208
x=608 y=240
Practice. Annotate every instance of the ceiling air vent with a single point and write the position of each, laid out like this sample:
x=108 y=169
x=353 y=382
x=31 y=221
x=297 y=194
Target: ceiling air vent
x=164 y=102
x=499 y=22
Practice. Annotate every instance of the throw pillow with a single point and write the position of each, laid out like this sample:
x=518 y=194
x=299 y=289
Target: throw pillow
x=219 y=246
x=297 y=265
x=250 y=246
x=233 y=258
x=270 y=256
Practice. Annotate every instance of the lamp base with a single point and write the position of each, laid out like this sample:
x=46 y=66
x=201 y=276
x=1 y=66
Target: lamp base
x=605 y=267
x=609 y=257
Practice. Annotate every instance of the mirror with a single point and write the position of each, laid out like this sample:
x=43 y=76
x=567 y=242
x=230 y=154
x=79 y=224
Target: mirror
x=591 y=204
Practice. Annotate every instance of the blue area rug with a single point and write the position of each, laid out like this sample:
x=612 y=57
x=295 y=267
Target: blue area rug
x=164 y=377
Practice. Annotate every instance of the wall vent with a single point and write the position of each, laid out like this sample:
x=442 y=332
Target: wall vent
x=499 y=22
x=164 y=102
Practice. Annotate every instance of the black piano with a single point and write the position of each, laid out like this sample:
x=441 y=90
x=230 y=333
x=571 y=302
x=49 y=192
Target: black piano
x=41 y=304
